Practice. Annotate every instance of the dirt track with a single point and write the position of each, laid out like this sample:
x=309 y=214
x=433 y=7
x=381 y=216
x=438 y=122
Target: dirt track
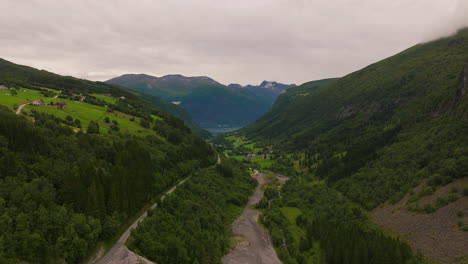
x=254 y=245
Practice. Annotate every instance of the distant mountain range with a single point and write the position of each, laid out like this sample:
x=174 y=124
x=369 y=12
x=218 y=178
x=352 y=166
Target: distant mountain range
x=268 y=91
x=209 y=102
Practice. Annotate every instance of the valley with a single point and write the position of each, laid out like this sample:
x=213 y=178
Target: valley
x=367 y=168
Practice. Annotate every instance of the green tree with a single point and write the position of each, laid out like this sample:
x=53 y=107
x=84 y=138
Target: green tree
x=77 y=123
x=144 y=123
x=93 y=127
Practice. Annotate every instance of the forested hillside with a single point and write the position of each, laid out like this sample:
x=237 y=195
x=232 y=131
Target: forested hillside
x=65 y=185
x=390 y=124
x=372 y=136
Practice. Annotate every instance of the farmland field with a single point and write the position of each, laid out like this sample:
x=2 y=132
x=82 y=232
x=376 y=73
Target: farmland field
x=87 y=112
x=263 y=163
x=106 y=98
x=77 y=110
x=23 y=96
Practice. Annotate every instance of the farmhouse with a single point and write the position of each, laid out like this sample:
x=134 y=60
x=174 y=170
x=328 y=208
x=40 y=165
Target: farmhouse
x=60 y=105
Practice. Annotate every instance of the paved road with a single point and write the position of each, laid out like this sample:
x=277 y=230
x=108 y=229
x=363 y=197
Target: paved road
x=120 y=253
x=254 y=244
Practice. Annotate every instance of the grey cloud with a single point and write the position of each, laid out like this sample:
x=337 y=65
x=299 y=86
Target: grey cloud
x=240 y=41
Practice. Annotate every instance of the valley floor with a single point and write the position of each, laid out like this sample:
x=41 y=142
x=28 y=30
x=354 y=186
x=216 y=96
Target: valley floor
x=253 y=242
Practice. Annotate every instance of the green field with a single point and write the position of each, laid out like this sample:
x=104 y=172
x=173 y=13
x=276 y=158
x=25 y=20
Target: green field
x=77 y=110
x=23 y=96
x=238 y=157
x=156 y=117
x=106 y=98
x=263 y=163
x=87 y=112
x=250 y=146
x=239 y=143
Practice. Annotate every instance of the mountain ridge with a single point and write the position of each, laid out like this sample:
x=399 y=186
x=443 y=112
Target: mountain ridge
x=209 y=102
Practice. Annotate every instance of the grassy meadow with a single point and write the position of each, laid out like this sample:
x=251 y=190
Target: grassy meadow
x=23 y=96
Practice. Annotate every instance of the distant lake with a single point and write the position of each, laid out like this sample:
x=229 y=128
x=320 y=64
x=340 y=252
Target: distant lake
x=216 y=131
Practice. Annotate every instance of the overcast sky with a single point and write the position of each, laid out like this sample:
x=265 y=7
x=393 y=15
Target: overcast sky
x=241 y=41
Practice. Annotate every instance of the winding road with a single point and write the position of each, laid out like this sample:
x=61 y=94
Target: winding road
x=119 y=253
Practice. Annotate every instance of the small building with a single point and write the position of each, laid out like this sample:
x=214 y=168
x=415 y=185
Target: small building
x=250 y=156
x=60 y=105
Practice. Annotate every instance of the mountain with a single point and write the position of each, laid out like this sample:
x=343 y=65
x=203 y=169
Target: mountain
x=274 y=87
x=169 y=87
x=268 y=91
x=393 y=132
x=209 y=103
x=73 y=173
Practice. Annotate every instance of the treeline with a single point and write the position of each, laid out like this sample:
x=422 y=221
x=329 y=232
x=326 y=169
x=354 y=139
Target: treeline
x=61 y=192
x=329 y=229
x=192 y=225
